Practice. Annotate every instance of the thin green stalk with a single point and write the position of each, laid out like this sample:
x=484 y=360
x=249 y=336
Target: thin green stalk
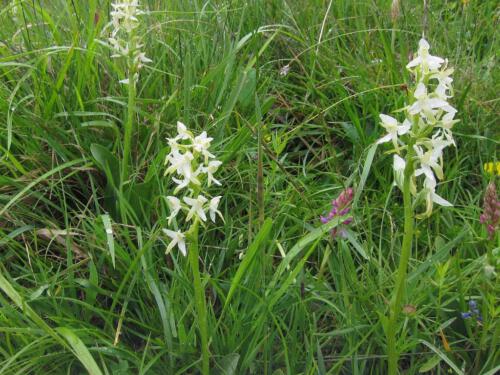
x=129 y=124
x=199 y=294
x=395 y=304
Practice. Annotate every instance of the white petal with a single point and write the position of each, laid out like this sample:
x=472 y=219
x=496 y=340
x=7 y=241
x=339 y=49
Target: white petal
x=405 y=127
x=212 y=179
x=437 y=103
x=420 y=91
x=190 y=214
x=189 y=201
x=434 y=62
x=439 y=200
x=428 y=172
x=182 y=247
x=399 y=163
x=423 y=44
x=169 y=233
x=201 y=214
x=170 y=247
x=415 y=108
x=384 y=139
x=173 y=202
x=448 y=108
x=388 y=120
x=413 y=63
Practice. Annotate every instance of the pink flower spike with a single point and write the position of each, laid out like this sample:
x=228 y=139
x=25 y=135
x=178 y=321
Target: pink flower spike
x=491 y=212
x=348 y=221
x=345 y=211
x=340 y=207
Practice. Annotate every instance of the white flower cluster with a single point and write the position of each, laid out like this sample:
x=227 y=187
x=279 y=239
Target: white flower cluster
x=123 y=40
x=193 y=167
x=426 y=128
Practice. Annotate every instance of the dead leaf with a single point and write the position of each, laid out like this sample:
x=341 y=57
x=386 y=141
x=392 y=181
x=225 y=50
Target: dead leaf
x=59 y=236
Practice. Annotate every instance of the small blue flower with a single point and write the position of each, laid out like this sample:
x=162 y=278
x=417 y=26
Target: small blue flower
x=473 y=311
x=473 y=306
x=466 y=315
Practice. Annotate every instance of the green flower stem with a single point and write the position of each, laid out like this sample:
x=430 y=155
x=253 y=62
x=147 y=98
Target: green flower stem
x=395 y=304
x=199 y=293
x=129 y=124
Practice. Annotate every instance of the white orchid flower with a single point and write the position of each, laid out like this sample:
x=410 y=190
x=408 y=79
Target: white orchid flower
x=430 y=119
x=178 y=238
x=181 y=184
x=213 y=208
x=425 y=105
x=181 y=163
x=393 y=129
x=431 y=197
x=183 y=132
x=427 y=62
x=123 y=41
x=186 y=152
x=201 y=143
x=174 y=204
x=210 y=169
x=197 y=207
x=443 y=76
x=174 y=148
x=124 y=16
x=140 y=59
x=441 y=92
x=399 y=165
x=428 y=163
x=446 y=123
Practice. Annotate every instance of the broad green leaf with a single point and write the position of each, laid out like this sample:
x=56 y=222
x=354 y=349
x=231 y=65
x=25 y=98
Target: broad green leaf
x=275 y=296
x=80 y=350
x=139 y=197
x=227 y=365
x=430 y=364
x=107 y=162
x=354 y=242
x=249 y=257
x=443 y=356
x=248 y=91
x=493 y=371
x=301 y=244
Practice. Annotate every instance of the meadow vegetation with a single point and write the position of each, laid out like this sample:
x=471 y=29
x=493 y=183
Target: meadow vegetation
x=291 y=93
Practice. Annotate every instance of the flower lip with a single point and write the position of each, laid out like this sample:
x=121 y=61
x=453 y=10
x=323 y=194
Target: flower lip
x=178 y=238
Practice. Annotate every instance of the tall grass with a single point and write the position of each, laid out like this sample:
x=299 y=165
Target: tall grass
x=282 y=296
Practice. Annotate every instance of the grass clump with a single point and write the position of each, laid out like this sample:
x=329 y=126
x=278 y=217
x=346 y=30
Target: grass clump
x=291 y=94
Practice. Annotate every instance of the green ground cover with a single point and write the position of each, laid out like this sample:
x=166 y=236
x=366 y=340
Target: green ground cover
x=291 y=92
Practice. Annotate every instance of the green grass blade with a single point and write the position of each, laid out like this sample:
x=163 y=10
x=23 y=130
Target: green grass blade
x=80 y=350
x=248 y=259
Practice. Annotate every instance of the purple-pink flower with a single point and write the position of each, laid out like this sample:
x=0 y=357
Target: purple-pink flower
x=491 y=210
x=341 y=206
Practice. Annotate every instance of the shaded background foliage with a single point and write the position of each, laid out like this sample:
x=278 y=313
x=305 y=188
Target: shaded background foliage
x=220 y=66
